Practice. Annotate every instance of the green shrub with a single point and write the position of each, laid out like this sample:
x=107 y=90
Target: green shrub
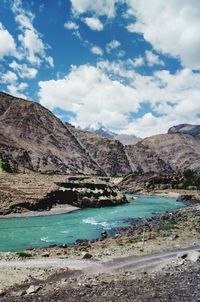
x=167 y=226
x=23 y=255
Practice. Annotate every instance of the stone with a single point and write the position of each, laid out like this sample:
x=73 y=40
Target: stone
x=2 y=292
x=33 y=289
x=173 y=236
x=193 y=256
x=20 y=293
x=180 y=262
x=87 y=256
x=104 y=234
x=45 y=255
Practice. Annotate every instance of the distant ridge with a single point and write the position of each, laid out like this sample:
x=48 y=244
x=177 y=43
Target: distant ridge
x=193 y=130
x=125 y=139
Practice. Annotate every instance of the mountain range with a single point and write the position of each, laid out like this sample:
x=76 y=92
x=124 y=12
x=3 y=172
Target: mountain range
x=32 y=138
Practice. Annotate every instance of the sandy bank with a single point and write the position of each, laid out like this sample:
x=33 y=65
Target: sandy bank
x=56 y=210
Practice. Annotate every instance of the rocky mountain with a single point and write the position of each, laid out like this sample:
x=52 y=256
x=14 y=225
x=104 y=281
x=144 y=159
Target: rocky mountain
x=166 y=152
x=32 y=137
x=109 y=154
x=192 y=130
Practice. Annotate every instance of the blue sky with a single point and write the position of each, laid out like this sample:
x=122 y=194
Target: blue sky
x=130 y=65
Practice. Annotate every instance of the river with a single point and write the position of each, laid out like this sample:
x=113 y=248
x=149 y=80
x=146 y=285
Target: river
x=20 y=233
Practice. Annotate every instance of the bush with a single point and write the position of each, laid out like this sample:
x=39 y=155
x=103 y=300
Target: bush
x=23 y=255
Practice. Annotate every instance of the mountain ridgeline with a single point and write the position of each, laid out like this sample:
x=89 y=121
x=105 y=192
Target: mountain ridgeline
x=32 y=138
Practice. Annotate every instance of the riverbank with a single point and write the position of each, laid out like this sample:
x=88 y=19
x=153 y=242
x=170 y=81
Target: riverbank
x=165 y=232
x=55 y=210
x=35 y=193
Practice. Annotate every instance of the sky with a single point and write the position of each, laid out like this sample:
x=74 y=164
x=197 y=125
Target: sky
x=132 y=66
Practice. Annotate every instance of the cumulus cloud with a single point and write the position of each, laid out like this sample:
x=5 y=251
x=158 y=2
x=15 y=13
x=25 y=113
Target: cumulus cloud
x=23 y=70
x=7 y=43
x=97 y=7
x=17 y=89
x=96 y=94
x=91 y=95
x=97 y=50
x=94 y=23
x=32 y=46
x=71 y=25
x=172 y=27
x=112 y=45
x=8 y=77
x=153 y=59
x=136 y=62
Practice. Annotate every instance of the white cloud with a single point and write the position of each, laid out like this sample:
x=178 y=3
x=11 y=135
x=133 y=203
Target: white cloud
x=97 y=7
x=149 y=124
x=97 y=50
x=91 y=95
x=153 y=59
x=174 y=99
x=17 y=89
x=172 y=27
x=94 y=23
x=50 y=61
x=94 y=96
x=112 y=45
x=23 y=70
x=32 y=46
x=136 y=62
x=71 y=25
x=121 y=53
x=7 y=43
x=9 y=77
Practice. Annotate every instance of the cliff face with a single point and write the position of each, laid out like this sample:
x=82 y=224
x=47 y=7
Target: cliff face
x=33 y=137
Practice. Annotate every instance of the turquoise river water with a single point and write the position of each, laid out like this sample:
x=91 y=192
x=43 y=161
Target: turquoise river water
x=19 y=233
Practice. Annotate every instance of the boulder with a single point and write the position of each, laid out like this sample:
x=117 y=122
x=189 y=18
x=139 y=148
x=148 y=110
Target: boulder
x=193 y=256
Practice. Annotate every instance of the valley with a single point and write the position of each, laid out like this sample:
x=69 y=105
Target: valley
x=80 y=211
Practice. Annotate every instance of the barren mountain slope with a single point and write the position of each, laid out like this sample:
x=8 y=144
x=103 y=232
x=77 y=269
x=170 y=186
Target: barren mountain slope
x=33 y=136
x=162 y=152
x=109 y=154
x=180 y=151
x=144 y=159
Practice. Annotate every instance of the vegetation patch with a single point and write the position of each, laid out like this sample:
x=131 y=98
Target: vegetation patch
x=24 y=255
x=167 y=226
